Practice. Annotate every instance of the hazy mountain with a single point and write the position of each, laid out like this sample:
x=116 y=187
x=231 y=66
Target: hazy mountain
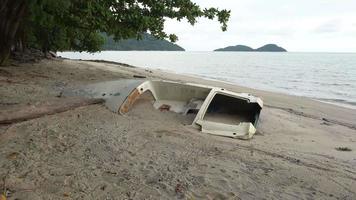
x=265 y=48
x=148 y=43
x=236 y=48
x=271 y=48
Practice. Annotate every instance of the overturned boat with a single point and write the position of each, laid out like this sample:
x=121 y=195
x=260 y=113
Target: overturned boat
x=218 y=111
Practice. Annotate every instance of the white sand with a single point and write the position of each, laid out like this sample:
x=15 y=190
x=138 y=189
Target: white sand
x=92 y=153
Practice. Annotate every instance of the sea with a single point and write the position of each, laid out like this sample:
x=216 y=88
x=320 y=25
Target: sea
x=327 y=77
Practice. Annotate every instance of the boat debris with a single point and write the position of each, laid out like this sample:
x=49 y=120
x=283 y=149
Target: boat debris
x=218 y=111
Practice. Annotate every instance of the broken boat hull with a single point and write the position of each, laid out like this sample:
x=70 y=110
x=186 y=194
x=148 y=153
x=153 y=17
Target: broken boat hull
x=218 y=111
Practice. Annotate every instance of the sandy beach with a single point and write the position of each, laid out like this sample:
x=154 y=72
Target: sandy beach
x=91 y=153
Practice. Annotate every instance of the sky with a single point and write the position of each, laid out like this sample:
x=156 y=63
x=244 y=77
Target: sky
x=297 y=25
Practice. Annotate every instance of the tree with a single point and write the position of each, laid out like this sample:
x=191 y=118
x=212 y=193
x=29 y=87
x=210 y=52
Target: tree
x=76 y=24
x=12 y=13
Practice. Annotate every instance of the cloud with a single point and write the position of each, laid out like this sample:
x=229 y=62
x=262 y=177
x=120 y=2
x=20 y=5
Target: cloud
x=298 y=25
x=329 y=27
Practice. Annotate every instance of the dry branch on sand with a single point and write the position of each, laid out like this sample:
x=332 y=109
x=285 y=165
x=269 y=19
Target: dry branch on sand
x=20 y=113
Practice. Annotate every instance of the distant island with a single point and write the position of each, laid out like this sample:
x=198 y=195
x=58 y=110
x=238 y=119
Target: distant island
x=147 y=43
x=265 y=48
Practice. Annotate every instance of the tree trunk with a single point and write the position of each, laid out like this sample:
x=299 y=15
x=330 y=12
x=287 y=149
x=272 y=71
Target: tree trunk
x=12 y=13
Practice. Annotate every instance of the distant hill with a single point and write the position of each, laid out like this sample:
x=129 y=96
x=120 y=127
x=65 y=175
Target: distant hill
x=236 y=48
x=271 y=48
x=148 y=43
x=265 y=48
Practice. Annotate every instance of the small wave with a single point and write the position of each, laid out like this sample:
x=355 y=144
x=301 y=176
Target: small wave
x=340 y=101
x=336 y=84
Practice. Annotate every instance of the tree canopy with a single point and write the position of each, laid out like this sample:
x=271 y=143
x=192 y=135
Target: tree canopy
x=76 y=24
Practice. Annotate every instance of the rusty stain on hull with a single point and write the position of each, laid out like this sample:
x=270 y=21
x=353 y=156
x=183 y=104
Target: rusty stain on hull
x=125 y=107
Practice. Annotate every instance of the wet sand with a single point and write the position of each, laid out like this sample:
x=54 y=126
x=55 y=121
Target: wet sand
x=92 y=153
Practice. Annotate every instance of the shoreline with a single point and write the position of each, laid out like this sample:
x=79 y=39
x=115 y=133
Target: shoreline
x=320 y=95
x=197 y=77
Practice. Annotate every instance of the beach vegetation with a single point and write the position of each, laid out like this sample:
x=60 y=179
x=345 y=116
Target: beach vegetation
x=52 y=25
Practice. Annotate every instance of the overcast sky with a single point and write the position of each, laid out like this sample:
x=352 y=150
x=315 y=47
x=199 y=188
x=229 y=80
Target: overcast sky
x=297 y=25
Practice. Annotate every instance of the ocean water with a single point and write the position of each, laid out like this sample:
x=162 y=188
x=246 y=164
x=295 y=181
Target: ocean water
x=328 y=77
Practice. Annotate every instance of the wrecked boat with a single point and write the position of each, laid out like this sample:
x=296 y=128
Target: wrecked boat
x=218 y=111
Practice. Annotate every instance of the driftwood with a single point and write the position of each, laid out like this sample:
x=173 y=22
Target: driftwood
x=21 y=113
